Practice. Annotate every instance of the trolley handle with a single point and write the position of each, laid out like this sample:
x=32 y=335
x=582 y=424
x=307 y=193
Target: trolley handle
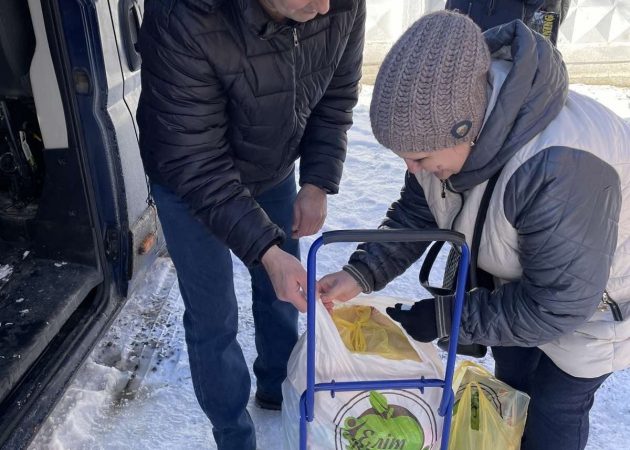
x=405 y=235
x=380 y=235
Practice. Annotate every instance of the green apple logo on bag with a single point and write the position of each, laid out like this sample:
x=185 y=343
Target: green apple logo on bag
x=381 y=424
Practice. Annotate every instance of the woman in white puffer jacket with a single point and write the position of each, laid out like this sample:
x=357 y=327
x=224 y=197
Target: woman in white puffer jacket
x=462 y=108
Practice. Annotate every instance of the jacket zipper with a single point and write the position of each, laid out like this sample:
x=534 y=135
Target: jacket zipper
x=296 y=44
x=461 y=201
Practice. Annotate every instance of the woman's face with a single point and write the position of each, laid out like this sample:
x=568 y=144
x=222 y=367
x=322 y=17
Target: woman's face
x=298 y=10
x=442 y=163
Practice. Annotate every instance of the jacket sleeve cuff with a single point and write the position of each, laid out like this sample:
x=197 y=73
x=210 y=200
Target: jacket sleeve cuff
x=361 y=273
x=328 y=186
x=257 y=261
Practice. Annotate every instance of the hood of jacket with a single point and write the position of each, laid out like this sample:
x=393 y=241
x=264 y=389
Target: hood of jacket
x=532 y=95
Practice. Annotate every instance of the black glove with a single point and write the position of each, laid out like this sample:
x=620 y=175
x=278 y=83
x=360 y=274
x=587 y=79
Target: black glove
x=424 y=321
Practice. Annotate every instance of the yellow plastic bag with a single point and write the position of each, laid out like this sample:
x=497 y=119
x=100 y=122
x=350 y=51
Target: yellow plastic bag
x=488 y=414
x=365 y=330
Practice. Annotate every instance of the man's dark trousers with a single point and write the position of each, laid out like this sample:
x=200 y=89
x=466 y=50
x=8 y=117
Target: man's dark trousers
x=558 y=412
x=204 y=268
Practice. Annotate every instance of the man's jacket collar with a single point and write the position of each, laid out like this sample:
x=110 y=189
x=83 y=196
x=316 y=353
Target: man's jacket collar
x=265 y=27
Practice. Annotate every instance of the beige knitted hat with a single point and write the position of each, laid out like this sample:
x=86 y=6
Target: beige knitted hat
x=430 y=92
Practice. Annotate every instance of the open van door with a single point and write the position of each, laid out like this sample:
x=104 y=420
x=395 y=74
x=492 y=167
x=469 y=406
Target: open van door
x=119 y=25
x=76 y=229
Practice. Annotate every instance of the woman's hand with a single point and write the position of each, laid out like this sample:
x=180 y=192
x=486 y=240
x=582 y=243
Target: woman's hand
x=338 y=286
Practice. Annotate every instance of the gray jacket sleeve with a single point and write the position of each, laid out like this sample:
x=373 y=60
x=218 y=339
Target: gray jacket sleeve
x=376 y=264
x=565 y=205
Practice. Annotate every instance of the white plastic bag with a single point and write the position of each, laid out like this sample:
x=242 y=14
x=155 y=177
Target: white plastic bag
x=389 y=418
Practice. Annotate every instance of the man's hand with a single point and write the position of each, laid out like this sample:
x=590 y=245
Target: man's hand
x=309 y=211
x=338 y=286
x=287 y=276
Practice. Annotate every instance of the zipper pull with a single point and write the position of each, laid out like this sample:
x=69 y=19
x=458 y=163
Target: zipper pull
x=613 y=306
x=443 y=188
x=296 y=42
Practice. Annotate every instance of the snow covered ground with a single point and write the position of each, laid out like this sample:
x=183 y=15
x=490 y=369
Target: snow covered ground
x=135 y=389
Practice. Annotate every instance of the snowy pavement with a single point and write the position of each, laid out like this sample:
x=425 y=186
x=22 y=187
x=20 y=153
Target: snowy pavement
x=135 y=390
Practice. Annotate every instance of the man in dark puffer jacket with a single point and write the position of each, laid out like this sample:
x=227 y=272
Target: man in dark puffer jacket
x=233 y=93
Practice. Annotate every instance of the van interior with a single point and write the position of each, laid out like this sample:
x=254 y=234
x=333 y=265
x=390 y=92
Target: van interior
x=49 y=264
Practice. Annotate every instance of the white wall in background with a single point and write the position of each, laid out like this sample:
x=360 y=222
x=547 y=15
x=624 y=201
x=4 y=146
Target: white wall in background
x=594 y=38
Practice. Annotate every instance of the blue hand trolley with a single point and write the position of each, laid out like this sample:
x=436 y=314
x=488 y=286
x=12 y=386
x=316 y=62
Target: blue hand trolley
x=307 y=400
